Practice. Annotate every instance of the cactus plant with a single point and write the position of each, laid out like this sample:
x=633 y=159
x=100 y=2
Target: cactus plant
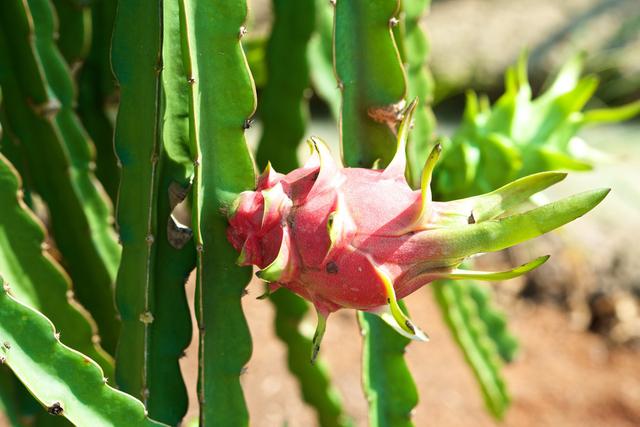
x=520 y=135
x=159 y=252
x=39 y=89
x=284 y=114
x=98 y=96
x=35 y=268
x=221 y=87
x=187 y=184
x=74 y=36
x=317 y=232
x=66 y=382
x=137 y=143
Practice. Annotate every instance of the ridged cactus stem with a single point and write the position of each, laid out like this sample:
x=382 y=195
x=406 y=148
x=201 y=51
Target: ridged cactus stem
x=321 y=58
x=420 y=85
x=373 y=84
x=39 y=281
x=97 y=96
x=284 y=114
x=470 y=332
x=137 y=65
x=371 y=78
x=38 y=86
x=222 y=100
x=284 y=107
x=175 y=257
x=74 y=35
x=66 y=382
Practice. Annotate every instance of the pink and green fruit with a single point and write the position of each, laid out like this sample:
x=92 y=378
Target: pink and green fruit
x=362 y=238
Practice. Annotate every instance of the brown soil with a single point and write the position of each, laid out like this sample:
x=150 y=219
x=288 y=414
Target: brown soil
x=561 y=378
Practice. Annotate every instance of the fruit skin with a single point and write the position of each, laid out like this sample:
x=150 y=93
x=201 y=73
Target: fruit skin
x=360 y=238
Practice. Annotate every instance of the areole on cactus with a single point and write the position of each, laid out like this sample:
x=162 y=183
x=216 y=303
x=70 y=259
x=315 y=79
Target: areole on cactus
x=362 y=239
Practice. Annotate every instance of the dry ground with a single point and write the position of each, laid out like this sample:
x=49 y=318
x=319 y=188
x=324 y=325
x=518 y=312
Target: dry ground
x=562 y=377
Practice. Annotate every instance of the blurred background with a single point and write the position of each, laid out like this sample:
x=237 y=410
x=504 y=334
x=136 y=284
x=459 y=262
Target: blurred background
x=578 y=316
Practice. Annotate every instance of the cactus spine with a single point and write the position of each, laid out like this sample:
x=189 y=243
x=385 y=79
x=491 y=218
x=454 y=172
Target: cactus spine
x=222 y=100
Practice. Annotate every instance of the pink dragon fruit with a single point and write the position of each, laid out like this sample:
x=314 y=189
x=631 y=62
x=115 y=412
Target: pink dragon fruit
x=362 y=239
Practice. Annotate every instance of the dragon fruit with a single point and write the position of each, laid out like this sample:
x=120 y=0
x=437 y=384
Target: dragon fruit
x=363 y=239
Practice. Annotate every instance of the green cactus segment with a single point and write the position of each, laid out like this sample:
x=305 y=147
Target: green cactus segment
x=389 y=387
x=221 y=88
x=97 y=98
x=371 y=77
x=320 y=55
x=175 y=256
x=420 y=85
x=35 y=277
x=67 y=383
x=470 y=331
x=493 y=319
x=74 y=24
x=284 y=116
x=519 y=135
x=283 y=100
x=39 y=89
x=136 y=63
x=313 y=379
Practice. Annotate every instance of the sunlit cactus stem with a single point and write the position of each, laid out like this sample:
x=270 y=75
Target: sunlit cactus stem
x=215 y=66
